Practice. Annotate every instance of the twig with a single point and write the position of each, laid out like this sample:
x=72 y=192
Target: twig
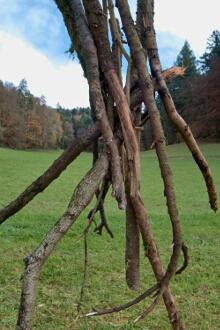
x=186 y=259
x=133 y=302
x=150 y=308
x=92 y=214
x=104 y=224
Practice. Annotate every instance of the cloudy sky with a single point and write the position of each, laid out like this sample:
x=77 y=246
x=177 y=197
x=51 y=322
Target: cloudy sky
x=34 y=41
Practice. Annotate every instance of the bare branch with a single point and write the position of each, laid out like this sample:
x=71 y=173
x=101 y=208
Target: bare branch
x=149 y=308
x=86 y=50
x=81 y=197
x=116 y=32
x=129 y=304
x=148 y=96
x=95 y=18
x=185 y=259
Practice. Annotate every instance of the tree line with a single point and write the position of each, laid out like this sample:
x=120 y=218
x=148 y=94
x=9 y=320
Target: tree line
x=27 y=122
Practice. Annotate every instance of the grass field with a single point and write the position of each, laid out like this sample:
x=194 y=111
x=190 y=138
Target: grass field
x=197 y=290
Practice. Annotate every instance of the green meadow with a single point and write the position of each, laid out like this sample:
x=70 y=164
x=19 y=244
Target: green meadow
x=197 y=290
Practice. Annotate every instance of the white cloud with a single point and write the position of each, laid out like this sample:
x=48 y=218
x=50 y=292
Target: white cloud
x=63 y=83
x=193 y=20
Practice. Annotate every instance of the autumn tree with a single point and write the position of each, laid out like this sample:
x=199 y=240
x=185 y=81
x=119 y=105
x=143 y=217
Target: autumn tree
x=117 y=111
x=26 y=121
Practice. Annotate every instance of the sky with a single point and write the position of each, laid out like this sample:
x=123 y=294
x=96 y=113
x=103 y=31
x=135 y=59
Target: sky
x=34 y=44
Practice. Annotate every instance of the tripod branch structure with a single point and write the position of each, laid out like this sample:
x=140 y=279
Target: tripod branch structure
x=108 y=42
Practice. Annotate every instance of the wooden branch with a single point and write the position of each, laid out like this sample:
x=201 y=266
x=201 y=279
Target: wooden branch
x=168 y=75
x=96 y=19
x=146 y=85
x=132 y=234
x=185 y=259
x=82 y=196
x=53 y=172
x=85 y=48
x=148 y=96
x=176 y=119
x=149 y=308
x=127 y=305
x=116 y=32
x=127 y=87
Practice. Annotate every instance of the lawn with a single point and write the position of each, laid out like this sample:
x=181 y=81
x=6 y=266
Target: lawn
x=197 y=290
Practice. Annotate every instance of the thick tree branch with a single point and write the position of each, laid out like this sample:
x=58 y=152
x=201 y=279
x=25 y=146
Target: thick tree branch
x=82 y=196
x=148 y=96
x=99 y=31
x=146 y=85
x=86 y=50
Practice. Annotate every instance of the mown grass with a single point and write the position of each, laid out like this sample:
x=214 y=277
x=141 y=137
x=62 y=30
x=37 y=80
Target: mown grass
x=197 y=290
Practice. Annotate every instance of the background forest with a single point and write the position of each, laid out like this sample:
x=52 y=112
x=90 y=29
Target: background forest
x=26 y=122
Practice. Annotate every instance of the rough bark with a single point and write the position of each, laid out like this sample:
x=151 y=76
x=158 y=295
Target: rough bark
x=185 y=131
x=146 y=86
x=86 y=50
x=159 y=139
x=96 y=19
x=132 y=248
x=132 y=241
x=98 y=27
x=87 y=25
x=82 y=195
x=53 y=172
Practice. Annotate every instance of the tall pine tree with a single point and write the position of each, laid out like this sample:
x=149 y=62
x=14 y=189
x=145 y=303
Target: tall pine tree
x=212 y=52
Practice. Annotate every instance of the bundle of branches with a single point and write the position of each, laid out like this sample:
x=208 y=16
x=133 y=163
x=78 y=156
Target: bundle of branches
x=119 y=116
